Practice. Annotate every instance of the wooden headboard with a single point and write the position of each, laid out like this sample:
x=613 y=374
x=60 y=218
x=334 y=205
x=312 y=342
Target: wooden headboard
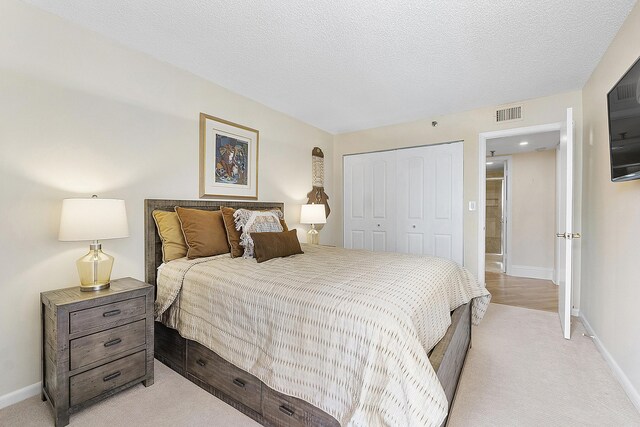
x=152 y=242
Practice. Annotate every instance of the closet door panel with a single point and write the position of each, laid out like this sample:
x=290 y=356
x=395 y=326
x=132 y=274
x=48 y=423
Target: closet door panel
x=369 y=199
x=448 y=204
x=414 y=243
x=357 y=192
x=443 y=186
x=442 y=246
x=380 y=212
x=357 y=239
x=430 y=201
x=354 y=202
x=413 y=169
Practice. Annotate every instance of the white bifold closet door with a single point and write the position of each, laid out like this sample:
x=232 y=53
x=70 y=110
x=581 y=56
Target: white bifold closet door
x=408 y=200
x=369 y=184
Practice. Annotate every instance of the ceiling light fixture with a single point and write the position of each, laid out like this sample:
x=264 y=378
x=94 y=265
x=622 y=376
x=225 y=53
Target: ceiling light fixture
x=524 y=143
x=489 y=163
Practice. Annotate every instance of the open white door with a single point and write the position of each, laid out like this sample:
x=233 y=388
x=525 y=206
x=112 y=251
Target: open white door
x=565 y=233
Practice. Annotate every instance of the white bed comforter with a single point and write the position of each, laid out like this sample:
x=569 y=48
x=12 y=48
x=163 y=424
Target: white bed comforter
x=347 y=331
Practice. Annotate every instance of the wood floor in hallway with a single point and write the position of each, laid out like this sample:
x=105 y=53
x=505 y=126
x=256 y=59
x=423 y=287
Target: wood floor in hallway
x=522 y=292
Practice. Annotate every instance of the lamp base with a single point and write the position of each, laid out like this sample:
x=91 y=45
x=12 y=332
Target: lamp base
x=94 y=269
x=93 y=288
x=313 y=237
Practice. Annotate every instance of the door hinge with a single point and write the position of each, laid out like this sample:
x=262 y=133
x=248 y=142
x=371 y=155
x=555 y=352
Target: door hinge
x=568 y=236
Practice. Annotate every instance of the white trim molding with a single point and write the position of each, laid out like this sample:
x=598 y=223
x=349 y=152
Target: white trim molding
x=618 y=373
x=19 y=395
x=482 y=176
x=530 y=272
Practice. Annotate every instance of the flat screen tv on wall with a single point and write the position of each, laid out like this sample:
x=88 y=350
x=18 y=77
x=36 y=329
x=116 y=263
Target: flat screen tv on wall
x=624 y=126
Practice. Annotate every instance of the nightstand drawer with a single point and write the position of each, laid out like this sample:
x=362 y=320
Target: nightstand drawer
x=226 y=377
x=107 y=377
x=105 y=315
x=92 y=348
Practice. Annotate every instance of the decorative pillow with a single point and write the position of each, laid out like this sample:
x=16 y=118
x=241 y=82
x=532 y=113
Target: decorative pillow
x=170 y=232
x=203 y=231
x=233 y=235
x=267 y=246
x=255 y=221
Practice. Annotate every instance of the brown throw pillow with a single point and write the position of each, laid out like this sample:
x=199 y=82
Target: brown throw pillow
x=203 y=231
x=233 y=235
x=170 y=232
x=273 y=245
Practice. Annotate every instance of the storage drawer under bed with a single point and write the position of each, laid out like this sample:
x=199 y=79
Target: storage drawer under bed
x=207 y=366
x=287 y=411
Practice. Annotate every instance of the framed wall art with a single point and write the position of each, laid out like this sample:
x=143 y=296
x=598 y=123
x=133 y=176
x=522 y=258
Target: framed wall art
x=228 y=159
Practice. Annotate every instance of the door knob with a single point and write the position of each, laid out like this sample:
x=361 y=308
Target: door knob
x=562 y=235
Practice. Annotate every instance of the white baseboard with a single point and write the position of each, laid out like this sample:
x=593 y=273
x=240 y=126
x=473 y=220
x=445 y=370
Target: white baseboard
x=531 y=272
x=19 y=395
x=618 y=373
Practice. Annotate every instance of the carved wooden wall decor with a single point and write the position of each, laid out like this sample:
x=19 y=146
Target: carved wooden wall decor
x=317 y=194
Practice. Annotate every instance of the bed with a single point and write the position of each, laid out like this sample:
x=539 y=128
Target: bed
x=290 y=368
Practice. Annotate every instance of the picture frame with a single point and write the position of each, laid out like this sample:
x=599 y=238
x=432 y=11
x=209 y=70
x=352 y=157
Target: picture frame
x=228 y=159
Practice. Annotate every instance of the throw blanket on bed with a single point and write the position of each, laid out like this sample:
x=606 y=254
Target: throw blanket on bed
x=347 y=331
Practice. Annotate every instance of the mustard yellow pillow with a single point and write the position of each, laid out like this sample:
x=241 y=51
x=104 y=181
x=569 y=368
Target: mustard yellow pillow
x=173 y=244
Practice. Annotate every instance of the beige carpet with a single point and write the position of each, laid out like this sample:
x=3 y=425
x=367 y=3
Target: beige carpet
x=520 y=372
x=171 y=401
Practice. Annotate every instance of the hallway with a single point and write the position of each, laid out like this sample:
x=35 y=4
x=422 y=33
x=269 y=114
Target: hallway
x=522 y=292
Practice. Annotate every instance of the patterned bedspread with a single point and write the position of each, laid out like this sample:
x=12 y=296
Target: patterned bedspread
x=347 y=331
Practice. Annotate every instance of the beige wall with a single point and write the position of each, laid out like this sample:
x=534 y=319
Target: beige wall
x=463 y=126
x=533 y=211
x=611 y=221
x=80 y=114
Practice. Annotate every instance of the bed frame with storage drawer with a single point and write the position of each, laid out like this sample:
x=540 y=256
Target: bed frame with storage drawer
x=244 y=391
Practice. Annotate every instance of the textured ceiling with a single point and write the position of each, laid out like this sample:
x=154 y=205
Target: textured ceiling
x=349 y=65
x=511 y=144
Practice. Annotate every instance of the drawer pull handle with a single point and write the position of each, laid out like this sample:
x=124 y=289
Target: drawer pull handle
x=111 y=313
x=239 y=382
x=112 y=342
x=286 y=410
x=201 y=362
x=111 y=376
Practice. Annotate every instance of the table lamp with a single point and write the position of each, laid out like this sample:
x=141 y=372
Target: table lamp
x=313 y=214
x=93 y=219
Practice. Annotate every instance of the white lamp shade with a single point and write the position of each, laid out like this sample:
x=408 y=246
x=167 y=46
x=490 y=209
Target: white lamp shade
x=93 y=219
x=313 y=214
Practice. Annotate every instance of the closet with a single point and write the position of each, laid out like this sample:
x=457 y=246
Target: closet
x=407 y=200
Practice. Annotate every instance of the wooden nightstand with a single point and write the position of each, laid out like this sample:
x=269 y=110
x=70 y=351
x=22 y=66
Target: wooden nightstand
x=95 y=344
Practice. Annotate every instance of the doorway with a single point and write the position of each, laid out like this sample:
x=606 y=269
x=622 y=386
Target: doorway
x=520 y=219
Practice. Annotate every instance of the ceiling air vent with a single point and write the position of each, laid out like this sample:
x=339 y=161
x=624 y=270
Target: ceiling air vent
x=625 y=92
x=509 y=114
